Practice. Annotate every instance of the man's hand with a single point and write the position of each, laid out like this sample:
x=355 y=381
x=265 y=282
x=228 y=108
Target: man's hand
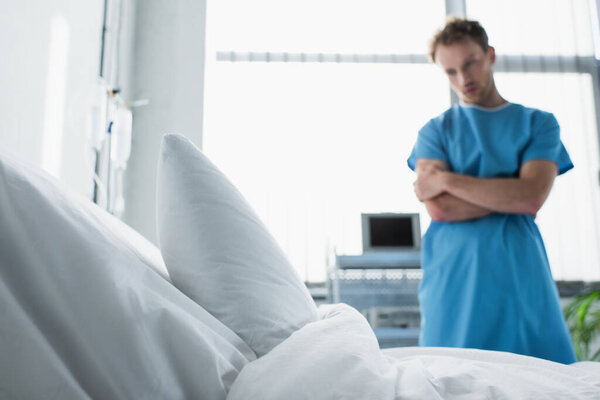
x=430 y=181
x=443 y=207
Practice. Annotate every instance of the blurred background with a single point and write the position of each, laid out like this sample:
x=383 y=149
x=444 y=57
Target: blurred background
x=310 y=107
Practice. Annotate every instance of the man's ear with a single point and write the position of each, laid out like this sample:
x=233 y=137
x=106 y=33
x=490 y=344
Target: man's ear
x=491 y=51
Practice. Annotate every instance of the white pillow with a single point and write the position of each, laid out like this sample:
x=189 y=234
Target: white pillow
x=82 y=314
x=219 y=253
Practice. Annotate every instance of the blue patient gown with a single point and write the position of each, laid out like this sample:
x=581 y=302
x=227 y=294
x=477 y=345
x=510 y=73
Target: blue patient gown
x=486 y=282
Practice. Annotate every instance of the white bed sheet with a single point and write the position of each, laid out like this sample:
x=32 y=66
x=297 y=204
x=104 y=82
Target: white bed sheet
x=450 y=373
x=337 y=357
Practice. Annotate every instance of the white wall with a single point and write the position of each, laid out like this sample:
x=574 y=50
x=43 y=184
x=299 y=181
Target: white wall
x=167 y=68
x=50 y=60
x=50 y=66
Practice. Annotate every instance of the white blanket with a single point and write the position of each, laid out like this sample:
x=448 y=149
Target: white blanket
x=338 y=357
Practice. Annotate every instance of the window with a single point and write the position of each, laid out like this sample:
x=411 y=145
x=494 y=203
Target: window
x=312 y=108
x=325 y=26
x=540 y=27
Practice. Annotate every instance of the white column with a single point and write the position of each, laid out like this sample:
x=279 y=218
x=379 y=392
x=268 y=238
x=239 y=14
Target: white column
x=167 y=68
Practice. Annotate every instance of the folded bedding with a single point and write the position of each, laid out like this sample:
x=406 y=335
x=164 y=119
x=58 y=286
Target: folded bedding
x=338 y=357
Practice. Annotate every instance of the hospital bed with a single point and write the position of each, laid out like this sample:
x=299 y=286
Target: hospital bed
x=90 y=309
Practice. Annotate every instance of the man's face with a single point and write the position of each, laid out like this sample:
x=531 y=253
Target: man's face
x=469 y=70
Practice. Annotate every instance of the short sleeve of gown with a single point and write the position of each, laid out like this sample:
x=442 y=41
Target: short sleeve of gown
x=545 y=143
x=429 y=144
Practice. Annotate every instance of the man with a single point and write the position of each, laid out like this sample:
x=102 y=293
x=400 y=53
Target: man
x=484 y=168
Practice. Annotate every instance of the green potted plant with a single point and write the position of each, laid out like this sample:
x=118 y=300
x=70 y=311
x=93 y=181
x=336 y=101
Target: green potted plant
x=583 y=319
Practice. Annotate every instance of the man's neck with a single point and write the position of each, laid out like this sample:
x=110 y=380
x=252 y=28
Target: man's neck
x=492 y=100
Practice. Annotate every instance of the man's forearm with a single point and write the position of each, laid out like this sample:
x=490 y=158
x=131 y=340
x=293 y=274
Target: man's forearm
x=504 y=195
x=449 y=208
x=522 y=195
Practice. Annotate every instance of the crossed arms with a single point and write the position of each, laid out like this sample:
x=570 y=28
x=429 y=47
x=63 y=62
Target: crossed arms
x=452 y=197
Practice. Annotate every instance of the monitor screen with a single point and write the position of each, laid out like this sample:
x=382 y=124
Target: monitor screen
x=391 y=231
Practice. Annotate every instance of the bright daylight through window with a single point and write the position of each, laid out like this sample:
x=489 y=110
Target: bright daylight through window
x=312 y=107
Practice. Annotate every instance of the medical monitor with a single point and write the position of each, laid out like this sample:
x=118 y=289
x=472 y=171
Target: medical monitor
x=391 y=232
